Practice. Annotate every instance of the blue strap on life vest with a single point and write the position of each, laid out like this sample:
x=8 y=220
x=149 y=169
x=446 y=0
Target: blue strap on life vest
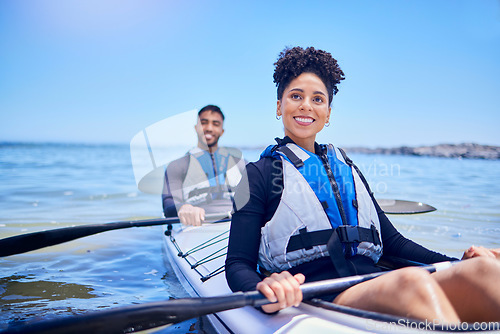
x=314 y=172
x=215 y=171
x=345 y=181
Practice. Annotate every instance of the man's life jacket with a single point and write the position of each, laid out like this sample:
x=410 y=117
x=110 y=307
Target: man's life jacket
x=211 y=178
x=325 y=210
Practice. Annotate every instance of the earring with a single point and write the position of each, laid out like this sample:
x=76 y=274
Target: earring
x=327 y=124
x=278 y=117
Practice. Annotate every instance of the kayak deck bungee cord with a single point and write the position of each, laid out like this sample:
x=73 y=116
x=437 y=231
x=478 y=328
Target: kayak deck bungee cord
x=210 y=257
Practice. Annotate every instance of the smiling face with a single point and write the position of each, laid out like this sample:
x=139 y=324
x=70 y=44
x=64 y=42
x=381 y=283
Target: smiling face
x=305 y=109
x=209 y=129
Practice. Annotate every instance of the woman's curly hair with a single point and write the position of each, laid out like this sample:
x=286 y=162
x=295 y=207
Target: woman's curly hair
x=292 y=62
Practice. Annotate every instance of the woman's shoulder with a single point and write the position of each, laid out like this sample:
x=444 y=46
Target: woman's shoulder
x=264 y=165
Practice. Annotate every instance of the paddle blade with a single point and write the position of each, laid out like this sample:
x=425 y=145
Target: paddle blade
x=31 y=241
x=400 y=207
x=131 y=319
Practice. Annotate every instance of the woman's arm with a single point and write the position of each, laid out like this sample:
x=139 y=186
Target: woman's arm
x=244 y=237
x=397 y=245
x=241 y=261
x=265 y=187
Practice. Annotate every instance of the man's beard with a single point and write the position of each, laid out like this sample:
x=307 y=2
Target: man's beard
x=213 y=143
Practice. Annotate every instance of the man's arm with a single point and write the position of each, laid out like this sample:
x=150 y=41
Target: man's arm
x=172 y=196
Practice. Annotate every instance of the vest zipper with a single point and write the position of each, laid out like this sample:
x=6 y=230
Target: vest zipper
x=335 y=188
x=214 y=166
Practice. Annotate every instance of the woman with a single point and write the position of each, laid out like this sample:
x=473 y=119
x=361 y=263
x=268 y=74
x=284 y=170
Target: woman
x=310 y=216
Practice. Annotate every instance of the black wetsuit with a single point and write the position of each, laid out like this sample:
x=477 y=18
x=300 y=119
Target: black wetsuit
x=265 y=185
x=177 y=171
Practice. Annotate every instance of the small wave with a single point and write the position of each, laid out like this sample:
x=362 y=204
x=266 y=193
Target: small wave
x=152 y=272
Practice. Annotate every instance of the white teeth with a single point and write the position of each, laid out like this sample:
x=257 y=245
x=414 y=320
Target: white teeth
x=304 y=120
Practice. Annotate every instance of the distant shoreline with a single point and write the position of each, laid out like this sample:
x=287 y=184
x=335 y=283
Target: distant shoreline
x=461 y=151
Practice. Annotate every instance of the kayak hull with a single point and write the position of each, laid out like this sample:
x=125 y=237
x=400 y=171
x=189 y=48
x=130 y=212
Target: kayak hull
x=197 y=255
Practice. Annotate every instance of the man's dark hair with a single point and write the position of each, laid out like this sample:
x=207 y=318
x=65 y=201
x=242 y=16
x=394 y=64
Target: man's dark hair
x=292 y=62
x=212 y=108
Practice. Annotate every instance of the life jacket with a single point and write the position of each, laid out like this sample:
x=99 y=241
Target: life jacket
x=325 y=209
x=211 y=177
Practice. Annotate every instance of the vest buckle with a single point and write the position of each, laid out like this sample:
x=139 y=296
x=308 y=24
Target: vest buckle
x=348 y=234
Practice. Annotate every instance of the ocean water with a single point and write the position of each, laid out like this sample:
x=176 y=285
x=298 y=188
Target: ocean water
x=48 y=186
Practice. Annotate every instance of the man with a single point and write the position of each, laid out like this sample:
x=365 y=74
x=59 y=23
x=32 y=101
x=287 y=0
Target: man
x=203 y=180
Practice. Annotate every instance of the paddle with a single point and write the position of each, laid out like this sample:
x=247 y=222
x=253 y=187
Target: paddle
x=36 y=240
x=400 y=207
x=149 y=315
x=31 y=241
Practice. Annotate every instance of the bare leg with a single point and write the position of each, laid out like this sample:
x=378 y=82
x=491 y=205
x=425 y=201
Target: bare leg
x=409 y=292
x=473 y=288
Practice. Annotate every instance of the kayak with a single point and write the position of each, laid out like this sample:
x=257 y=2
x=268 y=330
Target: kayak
x=197 y=255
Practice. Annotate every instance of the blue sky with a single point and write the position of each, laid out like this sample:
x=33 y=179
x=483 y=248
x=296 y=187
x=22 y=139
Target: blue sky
x=93 y=71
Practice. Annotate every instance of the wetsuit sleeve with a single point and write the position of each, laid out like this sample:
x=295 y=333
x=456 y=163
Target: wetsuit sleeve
x=175 y=174
x=244 y=238
x=396 y=244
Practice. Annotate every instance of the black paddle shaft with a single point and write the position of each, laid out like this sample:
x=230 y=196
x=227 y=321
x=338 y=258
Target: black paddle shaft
x=31 y=241
x=144 y=316
x=141 y=317
x=36 y=240
x=134 y=318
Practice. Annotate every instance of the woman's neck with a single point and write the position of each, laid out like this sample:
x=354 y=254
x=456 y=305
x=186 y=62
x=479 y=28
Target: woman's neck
x=306 y=144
